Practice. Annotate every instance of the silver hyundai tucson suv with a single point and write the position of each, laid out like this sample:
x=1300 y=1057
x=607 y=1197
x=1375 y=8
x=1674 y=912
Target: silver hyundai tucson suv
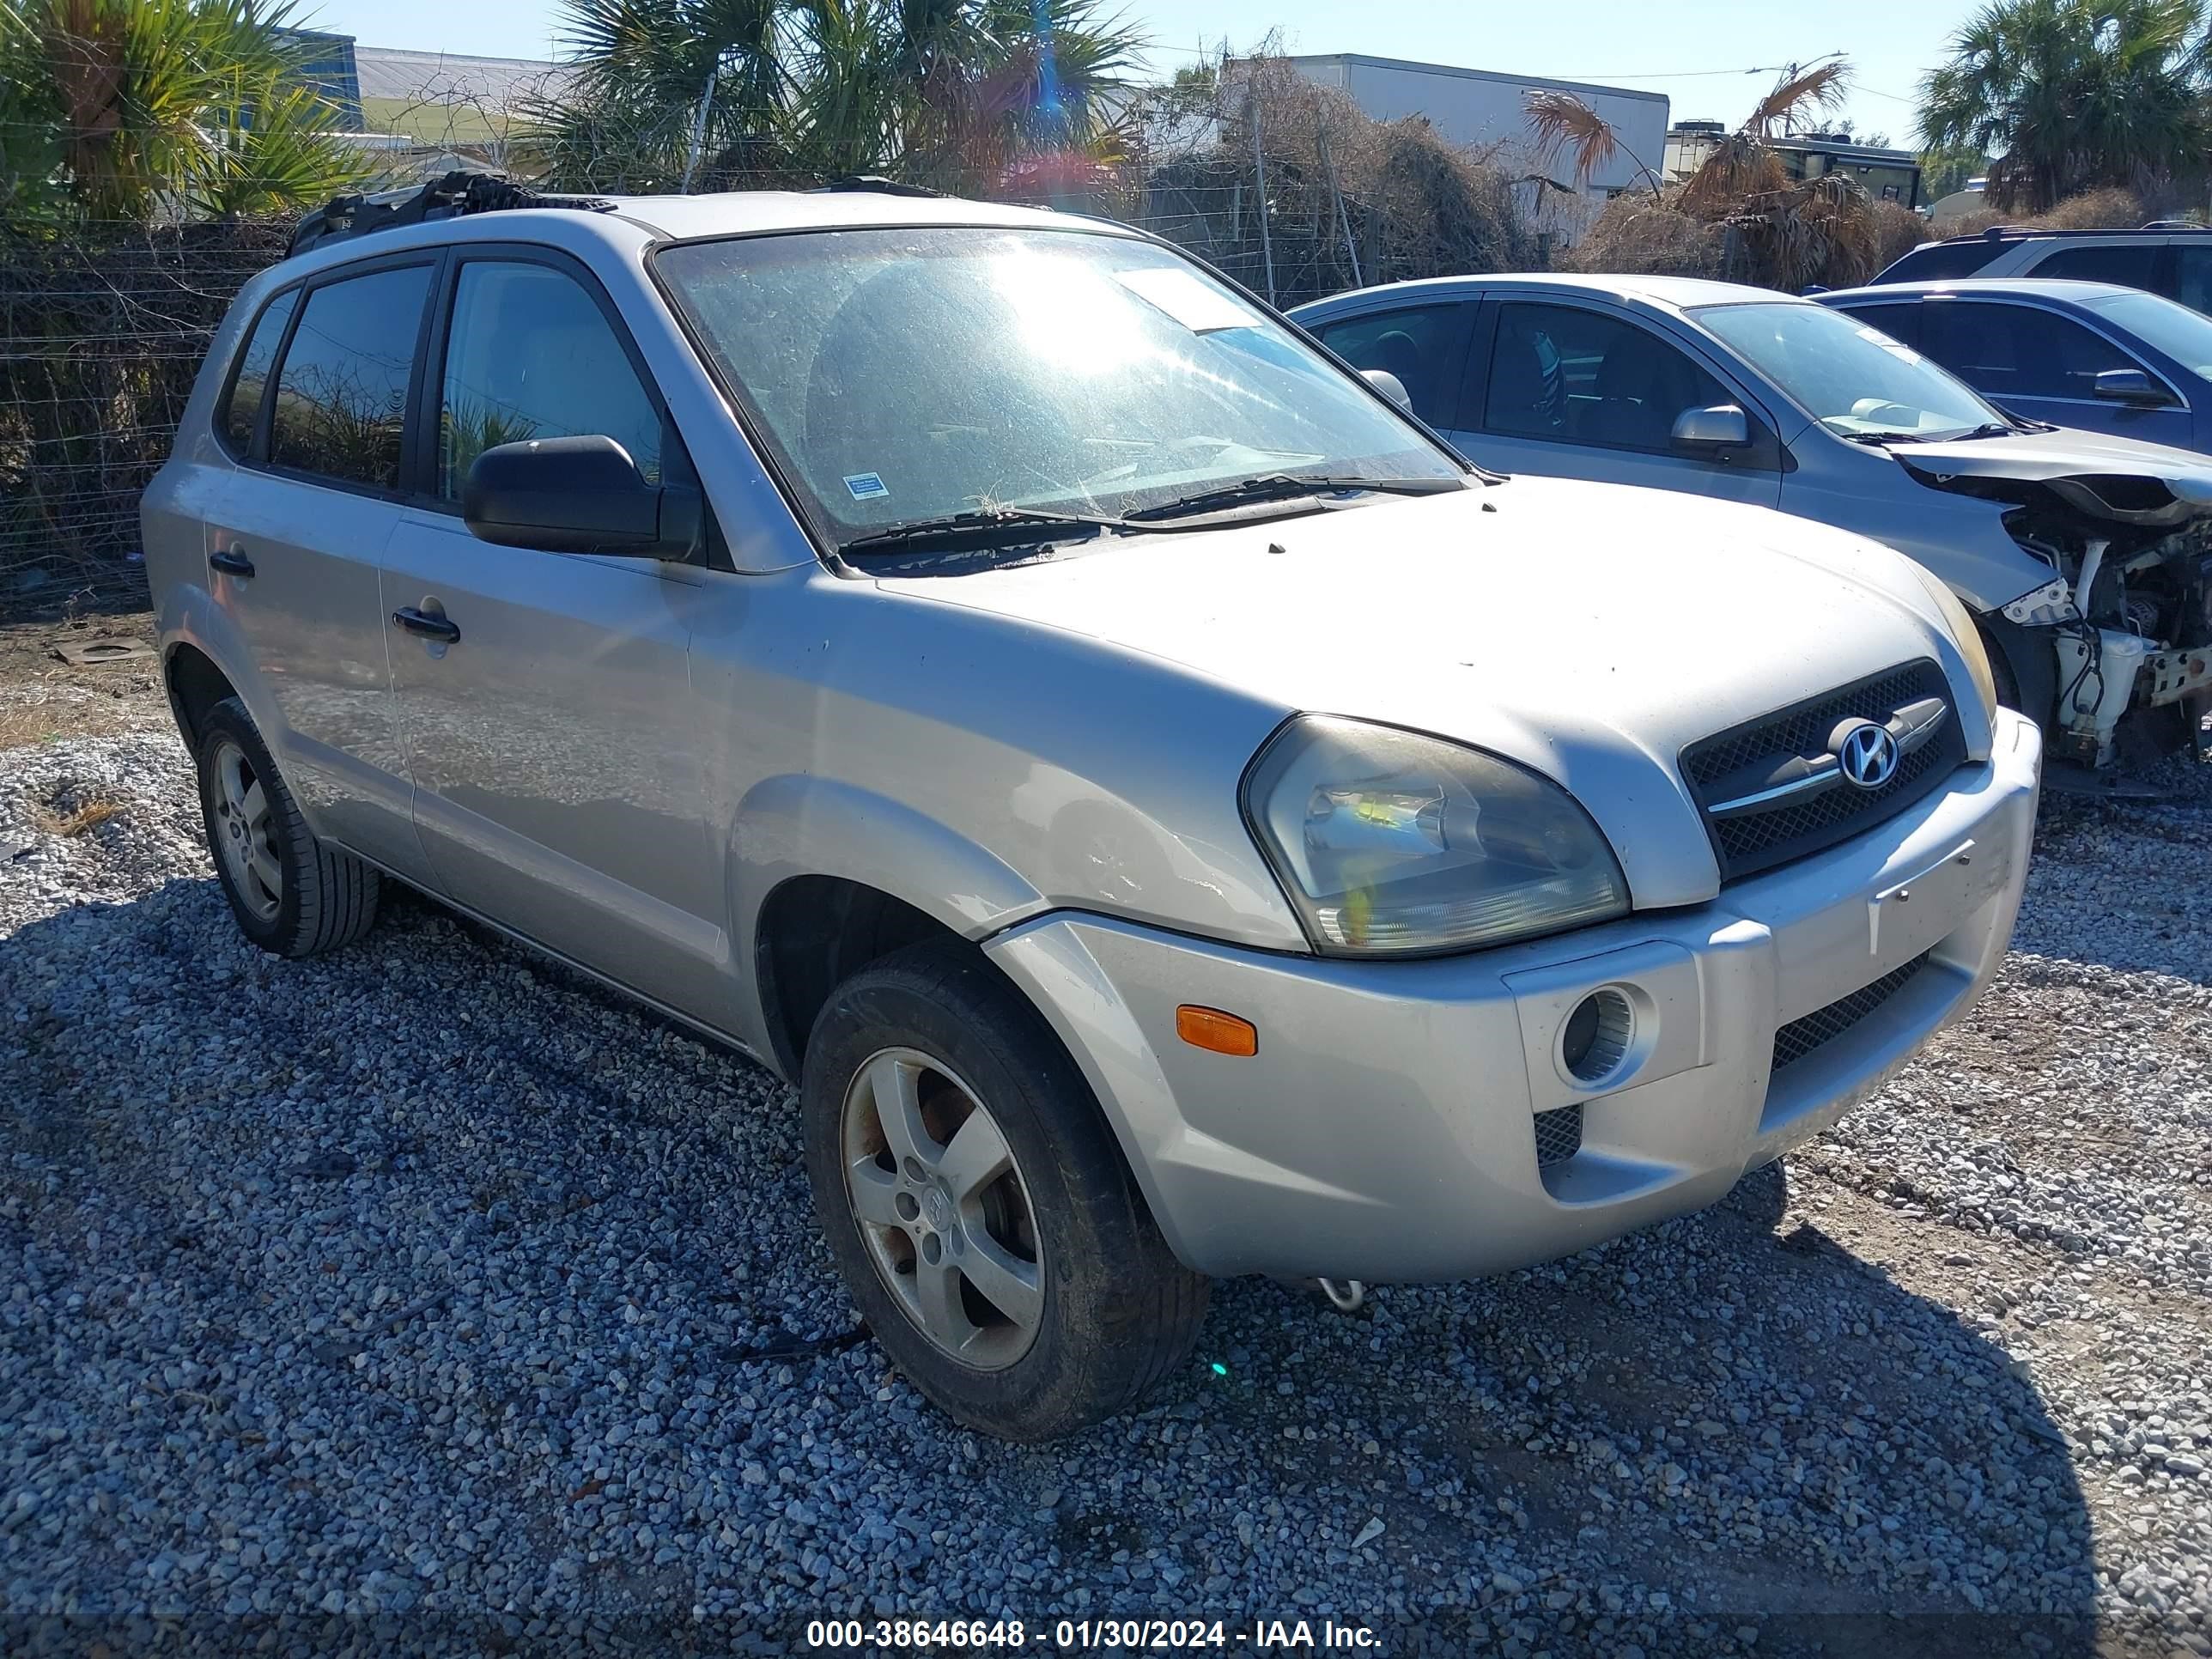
x=1169 y=815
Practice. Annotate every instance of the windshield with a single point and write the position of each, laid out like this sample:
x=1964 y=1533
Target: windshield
x=2182 y=334
x=908 y=375
x=1855 y=379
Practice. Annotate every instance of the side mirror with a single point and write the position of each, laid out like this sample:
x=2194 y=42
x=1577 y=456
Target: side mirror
x=2131 y=386
x=1389 y=385
x=1722 y=426
x=577 y=496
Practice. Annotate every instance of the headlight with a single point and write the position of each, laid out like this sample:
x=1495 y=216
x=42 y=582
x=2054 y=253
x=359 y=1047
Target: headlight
x=1389 y=841
x=1967 y=636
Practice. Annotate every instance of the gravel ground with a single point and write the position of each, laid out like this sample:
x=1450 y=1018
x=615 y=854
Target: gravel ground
x=424 y=1296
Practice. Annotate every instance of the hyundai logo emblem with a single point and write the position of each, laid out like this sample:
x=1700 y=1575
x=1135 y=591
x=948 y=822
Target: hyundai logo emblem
x=1868 y=754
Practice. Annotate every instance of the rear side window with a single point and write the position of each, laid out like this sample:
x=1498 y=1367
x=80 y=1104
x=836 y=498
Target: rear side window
x=1939 y=261
x=1421 y=346
x=2131 y=265
x=342 y=394
x=531 y=354
x=2006 y=350
x=243 y=407
x=1900 y=323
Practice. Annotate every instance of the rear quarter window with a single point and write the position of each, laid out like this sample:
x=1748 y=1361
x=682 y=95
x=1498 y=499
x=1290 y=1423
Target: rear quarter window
x=242 y=407
x=1940 y=260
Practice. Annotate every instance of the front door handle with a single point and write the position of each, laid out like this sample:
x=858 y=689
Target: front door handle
x=423 y=623
x=232 y=562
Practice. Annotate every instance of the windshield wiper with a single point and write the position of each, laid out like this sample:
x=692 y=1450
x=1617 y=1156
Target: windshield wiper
x=1284 y=486
x=1987 y=429
x=999 y=525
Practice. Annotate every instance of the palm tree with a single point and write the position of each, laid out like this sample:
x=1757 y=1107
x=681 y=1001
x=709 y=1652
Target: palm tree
x=2074 y=94
x=1563 y=124
x=113 y=109
x=1781 y=231
x=674 y=93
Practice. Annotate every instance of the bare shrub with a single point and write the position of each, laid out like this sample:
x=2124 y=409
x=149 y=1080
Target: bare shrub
x=1637 y=235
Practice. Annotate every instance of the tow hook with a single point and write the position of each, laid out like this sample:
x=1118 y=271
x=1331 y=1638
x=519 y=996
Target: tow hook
x=1345 y=1295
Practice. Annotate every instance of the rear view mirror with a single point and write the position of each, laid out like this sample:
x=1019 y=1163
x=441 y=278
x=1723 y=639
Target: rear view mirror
x=2131 y=386
x=1722 y=426
x=1389 y=385
x=577 y=496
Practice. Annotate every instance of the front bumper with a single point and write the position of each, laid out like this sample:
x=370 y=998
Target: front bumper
x=1387 y=1128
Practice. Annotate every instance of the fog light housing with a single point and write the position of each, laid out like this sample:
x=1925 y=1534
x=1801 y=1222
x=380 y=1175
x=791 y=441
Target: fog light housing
x=1595 y=1041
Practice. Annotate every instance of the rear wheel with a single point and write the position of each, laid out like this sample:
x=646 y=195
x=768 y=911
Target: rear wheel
x=292 y=895
x=977 y=1205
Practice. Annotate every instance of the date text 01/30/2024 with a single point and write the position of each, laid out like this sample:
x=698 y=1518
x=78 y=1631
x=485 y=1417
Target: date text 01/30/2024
x=1285 y=1636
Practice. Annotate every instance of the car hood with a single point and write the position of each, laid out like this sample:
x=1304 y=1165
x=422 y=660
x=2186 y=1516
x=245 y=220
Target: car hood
x=1588 y=631
x=2103 y=476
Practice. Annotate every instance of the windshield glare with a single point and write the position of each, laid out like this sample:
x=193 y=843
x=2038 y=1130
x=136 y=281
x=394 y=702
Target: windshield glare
x=2182 y=334
x=914 y=373
x=1853 y=379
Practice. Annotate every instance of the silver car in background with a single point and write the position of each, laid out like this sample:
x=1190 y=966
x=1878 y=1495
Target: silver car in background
x=2085 y=559
x=1169 y=816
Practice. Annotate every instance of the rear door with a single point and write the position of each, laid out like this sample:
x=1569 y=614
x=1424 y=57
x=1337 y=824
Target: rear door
x=316 y=415
x=554 y=741
x=2043 y=365
x=1573 y=391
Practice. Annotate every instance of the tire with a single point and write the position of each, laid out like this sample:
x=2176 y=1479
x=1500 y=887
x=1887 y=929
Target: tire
x=292 y=895
x=1109 y=1309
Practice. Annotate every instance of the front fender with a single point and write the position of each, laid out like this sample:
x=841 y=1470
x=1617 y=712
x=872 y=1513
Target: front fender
x=798 y=824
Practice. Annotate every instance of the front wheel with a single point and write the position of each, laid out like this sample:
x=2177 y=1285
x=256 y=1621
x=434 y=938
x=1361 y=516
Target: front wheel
x=977 y=1204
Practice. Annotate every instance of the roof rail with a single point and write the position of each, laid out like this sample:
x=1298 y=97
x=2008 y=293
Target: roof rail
x=2172 y=224
x=877 y=183
x=450 y=198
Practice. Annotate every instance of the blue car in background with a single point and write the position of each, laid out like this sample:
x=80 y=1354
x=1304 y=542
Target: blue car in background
x=2093 y=355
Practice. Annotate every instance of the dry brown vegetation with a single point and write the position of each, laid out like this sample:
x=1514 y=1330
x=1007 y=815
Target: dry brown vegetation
x=1350 y=200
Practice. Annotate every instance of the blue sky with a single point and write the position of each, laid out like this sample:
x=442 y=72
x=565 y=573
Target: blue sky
x=1711 y=60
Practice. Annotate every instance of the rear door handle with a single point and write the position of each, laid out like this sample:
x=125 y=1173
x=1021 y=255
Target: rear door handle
x=423 y=623
x=232 y=562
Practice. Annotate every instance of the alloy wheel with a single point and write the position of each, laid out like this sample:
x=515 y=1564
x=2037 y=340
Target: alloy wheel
x=943 y=1208
x=244 y=832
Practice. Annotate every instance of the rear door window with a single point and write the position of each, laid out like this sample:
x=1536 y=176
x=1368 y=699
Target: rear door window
x=2019 y=351
x=242 y=409
x=1422 y=345
x=2131 y=265
x=530 y=355
x=341 y=407
x=1582 y=377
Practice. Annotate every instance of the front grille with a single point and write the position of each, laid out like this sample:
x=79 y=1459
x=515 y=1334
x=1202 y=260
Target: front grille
x=1751 y=842
x=1800 y=1037
x=1559 y=1135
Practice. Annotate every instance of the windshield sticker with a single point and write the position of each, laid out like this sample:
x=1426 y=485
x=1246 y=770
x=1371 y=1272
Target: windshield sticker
x=866 y=486
x=1896 y=349
x=1198 y=307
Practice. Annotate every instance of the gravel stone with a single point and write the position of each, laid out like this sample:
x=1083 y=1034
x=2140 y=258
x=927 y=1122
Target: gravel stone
x=427 y=1282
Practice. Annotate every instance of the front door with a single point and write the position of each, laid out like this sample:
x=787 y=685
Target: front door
x=553 y=739
x=293 y=557
x=2042 y=366
x=1571 y=392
